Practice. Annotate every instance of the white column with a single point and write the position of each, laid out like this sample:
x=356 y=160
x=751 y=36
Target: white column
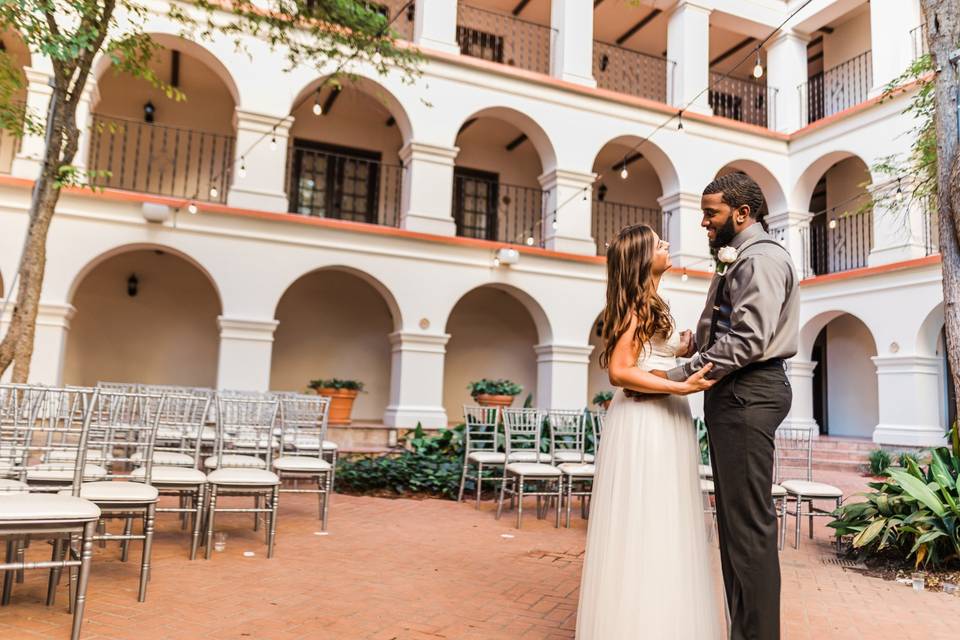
x=562 y=373
x=26 y=164
x=689 y=246
x=786 y=71
x=909 y=395
x=571 y=45
x=800 y=373
x=246 y=347
x=428 y=188
x=567 y=211
x=435 y=25
x=688 y=46
x=89 y=97
x=890 y=43
x=792 y=230
x=898 y=223
x=416 y=381
x=50 y=343
x=258 y=177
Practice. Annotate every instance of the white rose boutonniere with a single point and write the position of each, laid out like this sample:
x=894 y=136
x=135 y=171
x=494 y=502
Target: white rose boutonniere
x=725 y=257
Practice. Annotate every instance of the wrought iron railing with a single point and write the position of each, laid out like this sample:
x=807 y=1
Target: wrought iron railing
x=344 y=187
x=918 y=38
x=503 y=38
x=931 y=225
x=838 y=88
x=153 y=158
x=610 y=217
x=401 y=12
x=491 y=210
x=750 y=101
x=631 y=72
x=838 y=241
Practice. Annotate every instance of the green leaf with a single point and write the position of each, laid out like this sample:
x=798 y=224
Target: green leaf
x=918 y=490
x=864 y=537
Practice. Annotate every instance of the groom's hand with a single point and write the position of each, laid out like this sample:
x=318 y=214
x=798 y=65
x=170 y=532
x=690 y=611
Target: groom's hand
x=688 y=346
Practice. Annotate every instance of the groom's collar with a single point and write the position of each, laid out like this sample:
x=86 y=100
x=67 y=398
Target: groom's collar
x=751 y=233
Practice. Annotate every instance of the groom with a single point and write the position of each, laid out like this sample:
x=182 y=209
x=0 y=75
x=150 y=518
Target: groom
x=747 y=331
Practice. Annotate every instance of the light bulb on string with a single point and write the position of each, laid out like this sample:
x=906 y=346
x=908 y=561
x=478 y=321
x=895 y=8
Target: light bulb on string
x=496 y=262
x=529 y=241
x=898 y=196
x=758 y=68
x=243 y=168
x=624 y=174
x=833 y=224
x=684 y=277
x=273 y=142
x=555 y=224
x=680 y=121
x=317 y=109
x=213 y=192
x=192 y=208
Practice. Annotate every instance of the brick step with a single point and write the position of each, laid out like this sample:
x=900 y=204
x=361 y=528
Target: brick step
x=825 y=443
x=840 y=454
x=853 y=466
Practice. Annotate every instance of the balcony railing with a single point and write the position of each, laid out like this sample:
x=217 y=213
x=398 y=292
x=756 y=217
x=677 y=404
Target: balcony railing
x=492 y=210
x=631 y=72
x=838 y=88
x=344 y=187
x=838 y=241
x=503 y=39
x=610 y=217
x=162 y=160
x=918 y=37
x=931 y=225
x=750 y=101
x=403 y=11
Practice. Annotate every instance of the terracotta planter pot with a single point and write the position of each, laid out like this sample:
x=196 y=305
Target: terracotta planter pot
x=605 y=404
x=488 y=400
x=341 y=404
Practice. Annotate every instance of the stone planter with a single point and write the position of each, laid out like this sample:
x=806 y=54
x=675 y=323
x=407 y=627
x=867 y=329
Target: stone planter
x=489 y=400
x=341 y=404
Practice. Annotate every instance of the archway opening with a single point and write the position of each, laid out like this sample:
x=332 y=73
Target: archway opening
x=12 y=46
x=147 y=316
x=334 y=324
x=845 y=396
x=841 y=230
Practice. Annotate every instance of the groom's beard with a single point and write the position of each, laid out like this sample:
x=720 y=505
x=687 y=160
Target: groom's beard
x=725 y=235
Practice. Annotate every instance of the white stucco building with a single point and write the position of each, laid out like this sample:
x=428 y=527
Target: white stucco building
x=362 y=242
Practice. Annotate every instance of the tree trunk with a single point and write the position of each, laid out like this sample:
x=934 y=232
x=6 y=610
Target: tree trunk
x=943 y=38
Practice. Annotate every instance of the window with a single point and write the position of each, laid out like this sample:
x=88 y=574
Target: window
x=475 y=196
x=479 y=44
x=334 y=182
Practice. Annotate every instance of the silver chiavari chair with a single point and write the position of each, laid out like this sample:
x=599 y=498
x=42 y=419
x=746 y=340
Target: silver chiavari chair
x=33 y=418
x=568 y=448
x=523 y=429
x=247 y=427
x=481 y=446
x=176 y=458
x=794 y=466
x=303 y=428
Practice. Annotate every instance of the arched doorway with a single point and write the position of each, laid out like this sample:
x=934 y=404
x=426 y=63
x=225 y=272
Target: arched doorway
x=492 y=335
x=334 y=324
x=145 y=315
x=12 y=45
x=841 y=229
x=598 y=379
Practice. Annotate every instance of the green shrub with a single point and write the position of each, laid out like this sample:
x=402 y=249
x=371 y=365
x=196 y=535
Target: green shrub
x=914 y=512
x=602 y=397
x=500 y=387
x=703 y=439
x=879 y=462
x=905 y=458
x=336 y=383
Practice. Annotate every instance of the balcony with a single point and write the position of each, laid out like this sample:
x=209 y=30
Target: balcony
x=838 y=241
x=631 y=72
x=504 y=39
x=610 y=217
x=837 y=88
x=918 y=39
x=162 y=160
x=749 y=101
x=487 y=209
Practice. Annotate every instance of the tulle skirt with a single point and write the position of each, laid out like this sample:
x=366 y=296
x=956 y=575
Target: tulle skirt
x=647 y=568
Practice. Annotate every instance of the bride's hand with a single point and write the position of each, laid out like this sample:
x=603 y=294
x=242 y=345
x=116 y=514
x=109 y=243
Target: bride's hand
x=687 y=346
x=698 y=381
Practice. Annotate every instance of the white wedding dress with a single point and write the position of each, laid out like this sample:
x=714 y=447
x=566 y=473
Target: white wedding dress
x=647 y=568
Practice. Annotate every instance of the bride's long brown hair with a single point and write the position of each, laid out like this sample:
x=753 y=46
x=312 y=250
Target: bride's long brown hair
x=631 y=290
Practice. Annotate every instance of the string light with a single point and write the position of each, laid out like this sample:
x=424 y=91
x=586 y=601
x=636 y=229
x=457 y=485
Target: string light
x=833 y=224
x=243 y=167
x=555 y=224
x=273 y=140
x=496 y=262
x=898 y=196
x=529 y=241
x=317 y=108
x=680 y=121
x=213 y=192
x=684 y=277
x=624 y=174
x=192 y=208
x=758 y=68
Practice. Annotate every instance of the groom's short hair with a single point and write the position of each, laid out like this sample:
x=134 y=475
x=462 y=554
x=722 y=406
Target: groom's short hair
x=739 y=189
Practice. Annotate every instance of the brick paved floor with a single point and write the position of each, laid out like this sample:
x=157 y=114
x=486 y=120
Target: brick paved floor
x=422 y=570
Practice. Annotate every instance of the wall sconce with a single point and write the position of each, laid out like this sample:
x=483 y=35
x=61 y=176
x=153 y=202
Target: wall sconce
x=148 y=111
x=133 y=285
x=602 y=192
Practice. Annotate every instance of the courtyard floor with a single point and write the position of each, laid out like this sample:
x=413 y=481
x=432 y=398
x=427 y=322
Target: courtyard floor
x=422 y=570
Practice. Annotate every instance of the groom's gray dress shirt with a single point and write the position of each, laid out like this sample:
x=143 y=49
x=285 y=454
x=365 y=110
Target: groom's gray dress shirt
x=759 y=317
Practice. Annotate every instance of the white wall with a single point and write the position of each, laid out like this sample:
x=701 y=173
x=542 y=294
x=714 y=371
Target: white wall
x=851 y=379
x=850 y=38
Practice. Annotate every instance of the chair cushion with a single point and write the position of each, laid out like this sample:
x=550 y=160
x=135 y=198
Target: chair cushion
x=578 y=469
x=572 y=456
x=161 y=475
x=301 y=463
x=108 y=491
x=13 y=486
x=778 y=491
x=809 y=489
x=94 y=456
x=706 y=471
x=330 y=445
x=236 y=461
x=533 y=469
x=169 y=433
x=63 y=472
x=166 y=458
x=706 y=485
x=487 y=457
x=529 y=456
x=46 y=506
x=243 y=476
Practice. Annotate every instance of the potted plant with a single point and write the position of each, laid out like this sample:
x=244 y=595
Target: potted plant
x=603 y=398
x=342 y=393
x=494 y=393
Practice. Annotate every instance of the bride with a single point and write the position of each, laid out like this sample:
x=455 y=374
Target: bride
x=646 y=571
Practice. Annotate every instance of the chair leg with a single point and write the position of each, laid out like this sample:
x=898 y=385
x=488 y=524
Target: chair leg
x=148 y=521
x=54 y=578
x=21 y=547
x=274 y=506
x=569 y=498
x=518 y=486
x=463 y=481
x=503 y=490
x=102 y=530
x=327 y=488
x=479 y=484
x=257 y=501
x=86 y=555
x=125 y=544
x=799 y=522
x=197 y=519
x=559 y=497
x=211 y=511
x=8 y=574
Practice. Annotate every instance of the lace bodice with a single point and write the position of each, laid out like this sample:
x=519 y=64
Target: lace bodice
x=660 y=354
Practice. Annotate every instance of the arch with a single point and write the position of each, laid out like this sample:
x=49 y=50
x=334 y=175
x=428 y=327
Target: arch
x=389 y=299
x=928 y=336
x=662 y=165
x=369 y=87
x=191 y=48
x=531 y=304
x=807 y=182
x=16 y=48
x=810 y=329
x=527 y=125
x=772 y=191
